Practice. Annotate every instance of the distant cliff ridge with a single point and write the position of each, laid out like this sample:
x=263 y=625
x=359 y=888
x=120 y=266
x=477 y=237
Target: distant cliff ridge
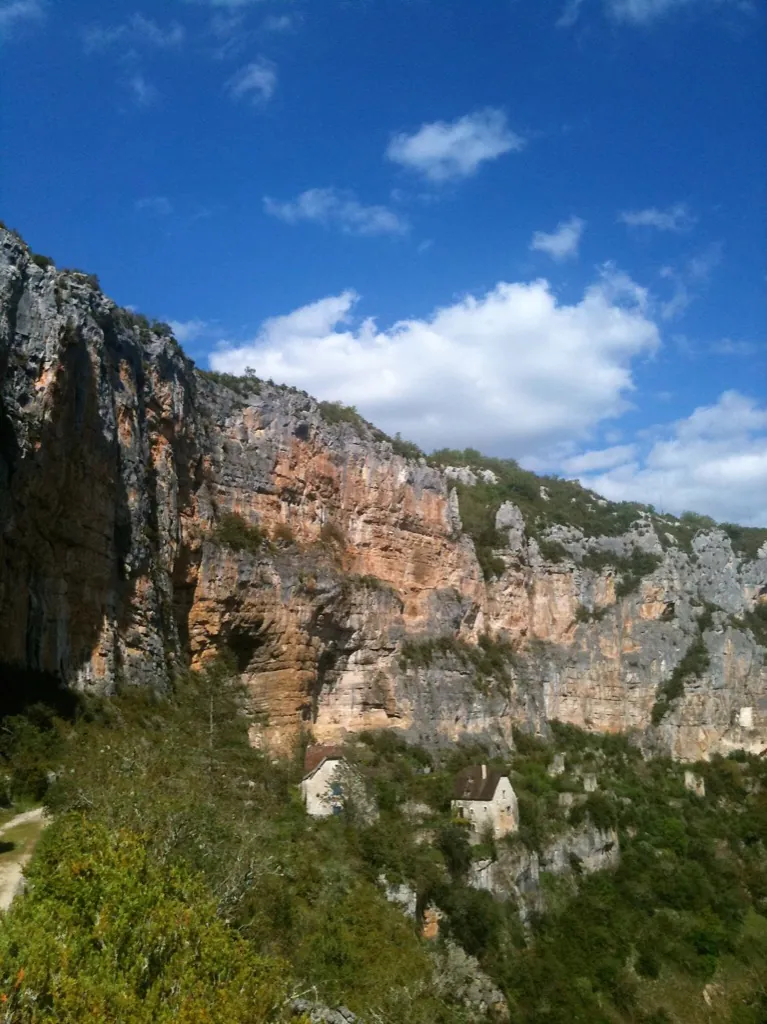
x=151 y=514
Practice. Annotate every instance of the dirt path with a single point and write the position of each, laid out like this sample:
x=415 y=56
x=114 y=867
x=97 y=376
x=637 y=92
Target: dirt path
x=23 y=831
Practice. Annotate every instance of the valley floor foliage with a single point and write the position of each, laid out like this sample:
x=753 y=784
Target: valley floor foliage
x=181 y=879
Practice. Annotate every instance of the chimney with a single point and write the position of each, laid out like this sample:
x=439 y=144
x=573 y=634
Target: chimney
x=484 y=772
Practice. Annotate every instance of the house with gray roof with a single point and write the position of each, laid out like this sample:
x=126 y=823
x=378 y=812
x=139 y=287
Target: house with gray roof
x=485 y=799
x=322 y=786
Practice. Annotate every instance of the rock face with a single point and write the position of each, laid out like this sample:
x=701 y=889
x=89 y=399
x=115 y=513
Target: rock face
x=118 y=459
x=516 y=873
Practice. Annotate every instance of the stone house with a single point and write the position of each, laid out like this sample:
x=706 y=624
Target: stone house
x=484 y=798
x=322 y=786
x=695 y=783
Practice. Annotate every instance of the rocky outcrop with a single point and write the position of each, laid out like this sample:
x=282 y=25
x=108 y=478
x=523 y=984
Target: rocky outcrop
x=118 y=460
x=515 y=873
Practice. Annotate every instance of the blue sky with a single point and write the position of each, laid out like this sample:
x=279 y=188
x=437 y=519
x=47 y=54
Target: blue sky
x=529 y=226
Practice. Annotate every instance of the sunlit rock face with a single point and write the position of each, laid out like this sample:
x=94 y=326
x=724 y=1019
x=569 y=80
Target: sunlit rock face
x=118 y=458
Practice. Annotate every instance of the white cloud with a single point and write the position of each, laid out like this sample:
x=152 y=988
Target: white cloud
x=154 y=204
x=190 y=330
x=143 y=92
x=714 y=462
x=675 y=218
x=605 y=458
x=728 y=347
x=570 y=13
x=512 y=371
x=16 y=12
x=279 y=23
x=446 y=151
x=332 y=207
x=562 y=243
x=680 y=297
x=226 y=4
x=695 y=271
x=642 y=12
x=255 y=82
x=136 y=30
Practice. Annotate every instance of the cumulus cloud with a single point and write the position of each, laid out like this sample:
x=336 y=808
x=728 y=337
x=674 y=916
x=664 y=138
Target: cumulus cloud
x=604 y=458
x=189 y=330
x=225 y=4
x=675 y=218
x=255 y=82
x=562 y=243
x=570 y=13
x=334 y=208
x=642 y=12
x=135 y=31
x=729 y=347
x=684 y=279
x=144 y=94
x=14 y=13
x=279 y=23
x=159 y=205
x=511 y=371
x=714 y=461
x=449 y=150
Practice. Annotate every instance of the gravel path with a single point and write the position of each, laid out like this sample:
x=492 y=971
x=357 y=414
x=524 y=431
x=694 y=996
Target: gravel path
x=12 y=864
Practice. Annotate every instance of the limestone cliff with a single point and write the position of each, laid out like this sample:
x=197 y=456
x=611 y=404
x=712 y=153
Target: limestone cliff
x=366 y=606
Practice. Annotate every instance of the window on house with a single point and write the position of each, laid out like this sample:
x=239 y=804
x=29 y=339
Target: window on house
x=335 y=789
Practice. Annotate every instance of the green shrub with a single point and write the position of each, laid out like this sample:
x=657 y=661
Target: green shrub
x=232 y=531
x=490 y=658
x=756 y=621
x=407 y=449
x=30 y=745
x=89 y=279
x=105 y=933
x=746 y=540
x=631 y=570
x=697 y=522
x=337 y=412
x=553 y=551
x=693 y=664
x=242 y=386
x=41 y=261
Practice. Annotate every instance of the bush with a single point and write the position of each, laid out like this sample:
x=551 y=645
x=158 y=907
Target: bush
x=242 y=386
x=407 y=449
x=233 y=532
x=41 y=261
x=746 y=540
x=89 y=279
x=29 y=748
x=756 y=621
x=553 y=551
x=453 y=843
x=490 y=657
x=337 y=412
x=631 y=570
x=694 y=663
x=105 y=933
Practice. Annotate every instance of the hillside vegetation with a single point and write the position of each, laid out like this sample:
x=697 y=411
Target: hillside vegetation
x=547 y=501
x=182 y=879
